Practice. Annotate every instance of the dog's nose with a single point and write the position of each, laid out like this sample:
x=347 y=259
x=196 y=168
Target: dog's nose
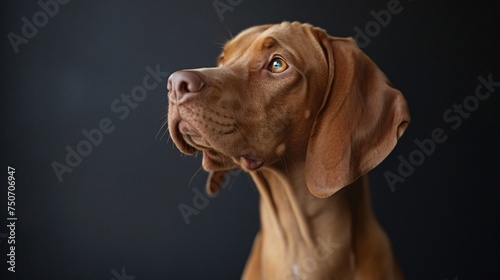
x=184 y=85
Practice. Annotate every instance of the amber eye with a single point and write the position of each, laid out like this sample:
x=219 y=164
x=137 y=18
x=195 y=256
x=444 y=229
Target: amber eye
x=278 y=65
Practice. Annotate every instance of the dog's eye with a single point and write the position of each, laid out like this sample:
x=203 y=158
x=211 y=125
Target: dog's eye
x=278 y=65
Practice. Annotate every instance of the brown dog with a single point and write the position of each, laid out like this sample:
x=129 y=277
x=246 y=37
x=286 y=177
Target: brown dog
x=307 y=115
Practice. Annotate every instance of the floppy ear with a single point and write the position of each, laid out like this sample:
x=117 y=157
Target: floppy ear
x=359 y=122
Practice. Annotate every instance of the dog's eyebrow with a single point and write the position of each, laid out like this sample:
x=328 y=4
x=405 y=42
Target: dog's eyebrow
x=269 y=42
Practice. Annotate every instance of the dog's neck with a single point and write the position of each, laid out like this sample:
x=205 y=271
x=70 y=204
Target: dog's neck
x=301 y=225
x=291 y=210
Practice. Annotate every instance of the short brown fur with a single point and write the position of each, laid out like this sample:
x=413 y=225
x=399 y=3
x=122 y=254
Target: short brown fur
x=307 y=136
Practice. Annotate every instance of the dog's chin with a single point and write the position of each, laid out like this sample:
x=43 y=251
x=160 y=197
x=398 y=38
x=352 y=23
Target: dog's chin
x=214 y=160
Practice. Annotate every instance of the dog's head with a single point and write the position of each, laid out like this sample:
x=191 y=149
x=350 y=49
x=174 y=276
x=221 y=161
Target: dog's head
x=288 y=92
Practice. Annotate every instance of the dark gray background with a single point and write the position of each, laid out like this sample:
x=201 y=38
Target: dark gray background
x=119 y=207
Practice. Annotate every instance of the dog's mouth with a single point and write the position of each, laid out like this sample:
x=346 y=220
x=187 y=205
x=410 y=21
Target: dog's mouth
x=189 y=140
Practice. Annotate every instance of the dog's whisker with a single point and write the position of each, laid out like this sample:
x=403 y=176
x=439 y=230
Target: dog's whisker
x=287 y=159
x=164 y=116
x=168 y=139
x=163 y=135
x=228 y=32
x=283 y=161
x=194 y=175
x=162 y=126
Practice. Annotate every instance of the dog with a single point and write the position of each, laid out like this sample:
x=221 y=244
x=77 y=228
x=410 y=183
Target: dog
x=307 y=115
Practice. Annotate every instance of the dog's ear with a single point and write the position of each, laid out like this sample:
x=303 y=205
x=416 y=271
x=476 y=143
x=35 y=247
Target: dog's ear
x=359 y=122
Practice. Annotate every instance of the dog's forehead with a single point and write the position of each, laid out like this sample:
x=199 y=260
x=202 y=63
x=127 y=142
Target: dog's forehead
x=267 y=36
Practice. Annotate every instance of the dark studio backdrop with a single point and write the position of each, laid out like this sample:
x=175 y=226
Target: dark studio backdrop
x=83 y=91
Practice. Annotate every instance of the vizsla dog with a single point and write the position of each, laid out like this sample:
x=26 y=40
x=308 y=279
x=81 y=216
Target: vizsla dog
x=307 y=115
